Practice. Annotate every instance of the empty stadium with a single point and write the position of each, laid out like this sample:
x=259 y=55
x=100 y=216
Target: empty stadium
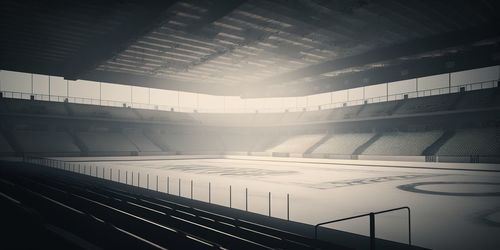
x=245 y=124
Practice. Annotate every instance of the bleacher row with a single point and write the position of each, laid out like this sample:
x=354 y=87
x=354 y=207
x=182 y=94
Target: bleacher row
x=466 y=100
x=463 y=142
x=60 y=210
x=151 y=138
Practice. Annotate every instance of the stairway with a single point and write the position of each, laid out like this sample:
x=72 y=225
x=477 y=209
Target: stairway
x=318 y=143
x=159 y=145
x=79 y=143
x=434 y=147
x=14 y=144
x=365 y=145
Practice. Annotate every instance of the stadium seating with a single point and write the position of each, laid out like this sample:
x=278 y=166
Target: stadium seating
x=268 y=118
x=344 y=112
x=102 y=111
x=141 y=141
x=111 y=217
x=265 y=140
x=238 y=142
x=320 y=115
x=377 y=109
x=106 y=142
x=168 y=116
x=475 y=99
x=466 y=142
x=260 y=133
x=188 y=141
x=343 y=144
x=224 y=119
x=45 y=141
x=4 y=145
x=427 y=104
x=291 y=117
x=89 y=111
x=402 y=143
x=297 y=144
x=21 y=106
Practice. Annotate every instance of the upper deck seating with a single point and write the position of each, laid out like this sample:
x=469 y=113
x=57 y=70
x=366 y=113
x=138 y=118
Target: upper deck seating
x=427 y=104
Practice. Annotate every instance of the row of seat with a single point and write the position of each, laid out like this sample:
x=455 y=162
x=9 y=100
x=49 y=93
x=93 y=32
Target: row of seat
x=463 y=142
x=465 y=100
x=109 y=217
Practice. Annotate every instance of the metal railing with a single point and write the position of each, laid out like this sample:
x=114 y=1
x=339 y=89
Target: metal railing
x=101 y=172
x=187 y=109
x=372 y=223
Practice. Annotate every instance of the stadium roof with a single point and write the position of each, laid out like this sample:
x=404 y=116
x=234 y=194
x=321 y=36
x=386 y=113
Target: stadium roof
x=251 y=48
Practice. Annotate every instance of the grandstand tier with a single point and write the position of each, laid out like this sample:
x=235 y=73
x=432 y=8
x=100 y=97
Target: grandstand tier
x=127 y=131
x=402 y=143
x=106 y=142
x=467 y=142
x=57 y=142
x=5 y=147
x=351 y=109
x=297 y=143
x=343 y=143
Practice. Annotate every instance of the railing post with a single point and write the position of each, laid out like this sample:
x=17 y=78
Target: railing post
x=168 y=184
x=230 y=197
x=139 y=179
x=110 y=174
x=269 y=204
x=287 y=206
x=179 y=187
x=157 y=183
x=147 y=181
x=409 y=226
x=132 y=178
x=246 y=199
x=191 y=189
x=119 y=177
x=209 y=192
x=126 y=177
x=372 y=231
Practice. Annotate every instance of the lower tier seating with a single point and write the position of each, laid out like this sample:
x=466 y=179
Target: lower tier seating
x=188 y=141
x=45 y=141
x=467 y=142
x=297 y=144
x=403 y=143
x=343 y=144
x=141 y=141
x=4 y=145
x=106 y=142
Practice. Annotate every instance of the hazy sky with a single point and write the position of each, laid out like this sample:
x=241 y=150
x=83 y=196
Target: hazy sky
x=22 y=82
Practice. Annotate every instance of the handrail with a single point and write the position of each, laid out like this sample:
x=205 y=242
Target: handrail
x=386 y=98
x=372 y=223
